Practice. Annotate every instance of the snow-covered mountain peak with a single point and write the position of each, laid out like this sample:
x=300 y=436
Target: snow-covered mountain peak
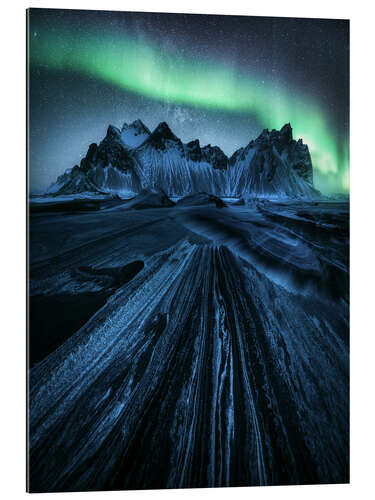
x=137 y=125
x=113 y=132
x=135 y=134
x=275 y=163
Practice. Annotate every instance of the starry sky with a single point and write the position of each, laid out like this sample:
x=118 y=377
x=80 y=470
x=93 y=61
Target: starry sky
x=222 y=79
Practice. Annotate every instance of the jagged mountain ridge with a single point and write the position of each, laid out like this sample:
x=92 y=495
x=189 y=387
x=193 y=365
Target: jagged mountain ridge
x=133 y=158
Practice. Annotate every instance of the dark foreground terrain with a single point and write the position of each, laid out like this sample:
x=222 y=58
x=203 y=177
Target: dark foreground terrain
x=188 y=346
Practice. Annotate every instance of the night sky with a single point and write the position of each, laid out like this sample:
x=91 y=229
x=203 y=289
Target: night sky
x=222 y=79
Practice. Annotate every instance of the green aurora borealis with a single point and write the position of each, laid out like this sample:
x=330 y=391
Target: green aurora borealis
x=141 y=67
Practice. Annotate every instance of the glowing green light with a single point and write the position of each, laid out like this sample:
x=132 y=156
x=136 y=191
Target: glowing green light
x=142 y=68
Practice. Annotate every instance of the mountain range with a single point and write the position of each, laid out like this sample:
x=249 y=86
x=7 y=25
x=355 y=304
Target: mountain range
x=133 y=158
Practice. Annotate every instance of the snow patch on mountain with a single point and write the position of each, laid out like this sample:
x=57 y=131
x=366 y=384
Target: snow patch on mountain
x=134 y=134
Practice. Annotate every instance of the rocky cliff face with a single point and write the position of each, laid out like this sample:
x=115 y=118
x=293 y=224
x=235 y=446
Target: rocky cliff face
x=133 y=158
x=107 y=167
x=273 y=164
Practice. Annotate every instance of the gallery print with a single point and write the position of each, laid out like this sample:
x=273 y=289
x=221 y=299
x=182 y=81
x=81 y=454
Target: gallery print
x=188 y=251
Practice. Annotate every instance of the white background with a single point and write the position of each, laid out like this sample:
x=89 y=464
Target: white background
x=12 y=239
